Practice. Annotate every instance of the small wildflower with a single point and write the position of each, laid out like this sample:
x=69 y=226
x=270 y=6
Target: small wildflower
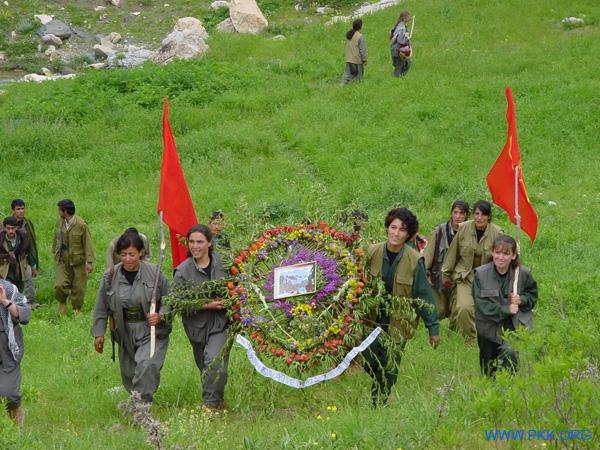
x=333 y=436
x=319 y=417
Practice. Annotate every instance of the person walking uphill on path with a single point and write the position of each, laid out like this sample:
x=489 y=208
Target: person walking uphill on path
x=33 y=266
x=74 y=256
x=356 y=53
x=400 y=46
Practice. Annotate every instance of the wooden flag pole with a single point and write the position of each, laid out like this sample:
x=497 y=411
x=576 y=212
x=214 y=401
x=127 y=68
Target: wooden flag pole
x=161 y=254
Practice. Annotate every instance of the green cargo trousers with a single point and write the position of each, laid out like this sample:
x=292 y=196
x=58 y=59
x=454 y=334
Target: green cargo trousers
x=70 y=280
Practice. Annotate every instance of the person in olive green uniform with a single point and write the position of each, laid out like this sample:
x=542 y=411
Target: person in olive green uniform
x=498 y=308
x=74 y=257
x=33 y=267
x=14 y=253
x=434 y=256
x=14 y=311
x=206 y=329
x=470 y=248
x=125 y=295
x=356 y=53
x=220 y=239
x=403 y=273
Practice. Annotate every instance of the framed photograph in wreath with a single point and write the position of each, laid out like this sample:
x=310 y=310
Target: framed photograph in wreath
x=298 y=279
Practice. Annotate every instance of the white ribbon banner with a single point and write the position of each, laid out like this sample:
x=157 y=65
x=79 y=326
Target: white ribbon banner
x=282 y=378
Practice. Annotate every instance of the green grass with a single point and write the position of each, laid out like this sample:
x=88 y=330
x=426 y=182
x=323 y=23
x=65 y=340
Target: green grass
x=266 y=134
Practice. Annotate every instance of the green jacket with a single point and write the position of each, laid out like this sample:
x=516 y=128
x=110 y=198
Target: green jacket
x=410 y=280
x=27 y=226
x=110 y=299
x=72 y=246
x=490 y=292
x=459 y=260
x=21 y=253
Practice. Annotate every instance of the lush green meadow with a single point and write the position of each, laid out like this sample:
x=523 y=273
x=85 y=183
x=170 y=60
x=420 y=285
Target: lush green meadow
x=266 y=133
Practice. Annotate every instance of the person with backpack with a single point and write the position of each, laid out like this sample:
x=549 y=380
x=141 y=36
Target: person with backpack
x=356 y=53
x=400 y=45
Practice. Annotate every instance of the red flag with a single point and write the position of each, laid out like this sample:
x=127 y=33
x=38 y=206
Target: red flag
x=501 y=179
x=174 y=198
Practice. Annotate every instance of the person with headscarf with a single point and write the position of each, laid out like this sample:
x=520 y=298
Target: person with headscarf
x=14 y=311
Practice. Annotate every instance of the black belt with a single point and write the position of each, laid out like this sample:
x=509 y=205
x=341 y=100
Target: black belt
x=133 y=315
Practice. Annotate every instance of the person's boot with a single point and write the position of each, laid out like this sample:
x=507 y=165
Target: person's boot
x=18 y=415
x=62 y=308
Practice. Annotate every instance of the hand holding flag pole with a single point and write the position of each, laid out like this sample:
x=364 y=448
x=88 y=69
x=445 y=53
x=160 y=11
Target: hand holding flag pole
x=161 y=254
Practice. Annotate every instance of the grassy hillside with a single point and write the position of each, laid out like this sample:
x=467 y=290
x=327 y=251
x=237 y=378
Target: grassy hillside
x=266 y=134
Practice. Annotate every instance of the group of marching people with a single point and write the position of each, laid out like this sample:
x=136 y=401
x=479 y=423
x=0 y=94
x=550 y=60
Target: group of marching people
x=468 y=272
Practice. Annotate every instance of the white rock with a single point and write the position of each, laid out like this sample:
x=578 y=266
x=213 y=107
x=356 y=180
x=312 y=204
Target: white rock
x=166 y=5
x=6 y=3
x=247 y=16
x=114 y=37
x=218 y=4
x=99 y=8
x=299 y=7
x=551 y=203
x=226 y=26
x=134 y=57
x=371 y=8
x=105 y=42
x=43 y=18
x=2 y=57
x=102 y=51
x=336 y=19
x=97 y=66
x=114 y=2
x=50 y=50
x=135 y=13
x=573 y=20
x=184 y=42
x=279 y=37
x=323 y=10
x=52 y=39
x=47 y=72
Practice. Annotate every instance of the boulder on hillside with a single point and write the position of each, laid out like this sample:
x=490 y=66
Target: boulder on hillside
x=114 y=37
x=226 y=26
x=218 y=4
x=57 y=28
x=247 y=17
x=134 y=56
x=184 y=42
x=114 y=2
x=103 y=51
x=43 y=18
x=50 y=39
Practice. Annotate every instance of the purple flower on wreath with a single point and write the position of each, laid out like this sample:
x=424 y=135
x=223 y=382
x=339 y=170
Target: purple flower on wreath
x=329 y=268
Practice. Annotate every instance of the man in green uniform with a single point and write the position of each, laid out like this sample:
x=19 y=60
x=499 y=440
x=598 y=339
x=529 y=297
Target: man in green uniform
x=14 y=253
x=403 y=272
x=74 y=256
x=25 y=224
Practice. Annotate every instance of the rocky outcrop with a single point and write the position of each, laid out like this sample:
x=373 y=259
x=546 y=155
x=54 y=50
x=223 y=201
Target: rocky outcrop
x=184 y=42
x=247 y=17
x=218 y=4
x=51 y=39
x=226 y=26
x=134 y=56
x=57 y=28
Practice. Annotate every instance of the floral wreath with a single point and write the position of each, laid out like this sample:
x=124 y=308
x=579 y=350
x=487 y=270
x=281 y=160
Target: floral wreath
x=308 y=330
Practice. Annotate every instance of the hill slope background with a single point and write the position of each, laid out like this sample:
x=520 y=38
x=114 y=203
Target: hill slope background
x=266 y=134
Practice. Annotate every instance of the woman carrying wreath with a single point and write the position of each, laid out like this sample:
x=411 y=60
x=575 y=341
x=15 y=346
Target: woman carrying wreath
x=124 y=296
x=206 y=329
x=401 y=269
